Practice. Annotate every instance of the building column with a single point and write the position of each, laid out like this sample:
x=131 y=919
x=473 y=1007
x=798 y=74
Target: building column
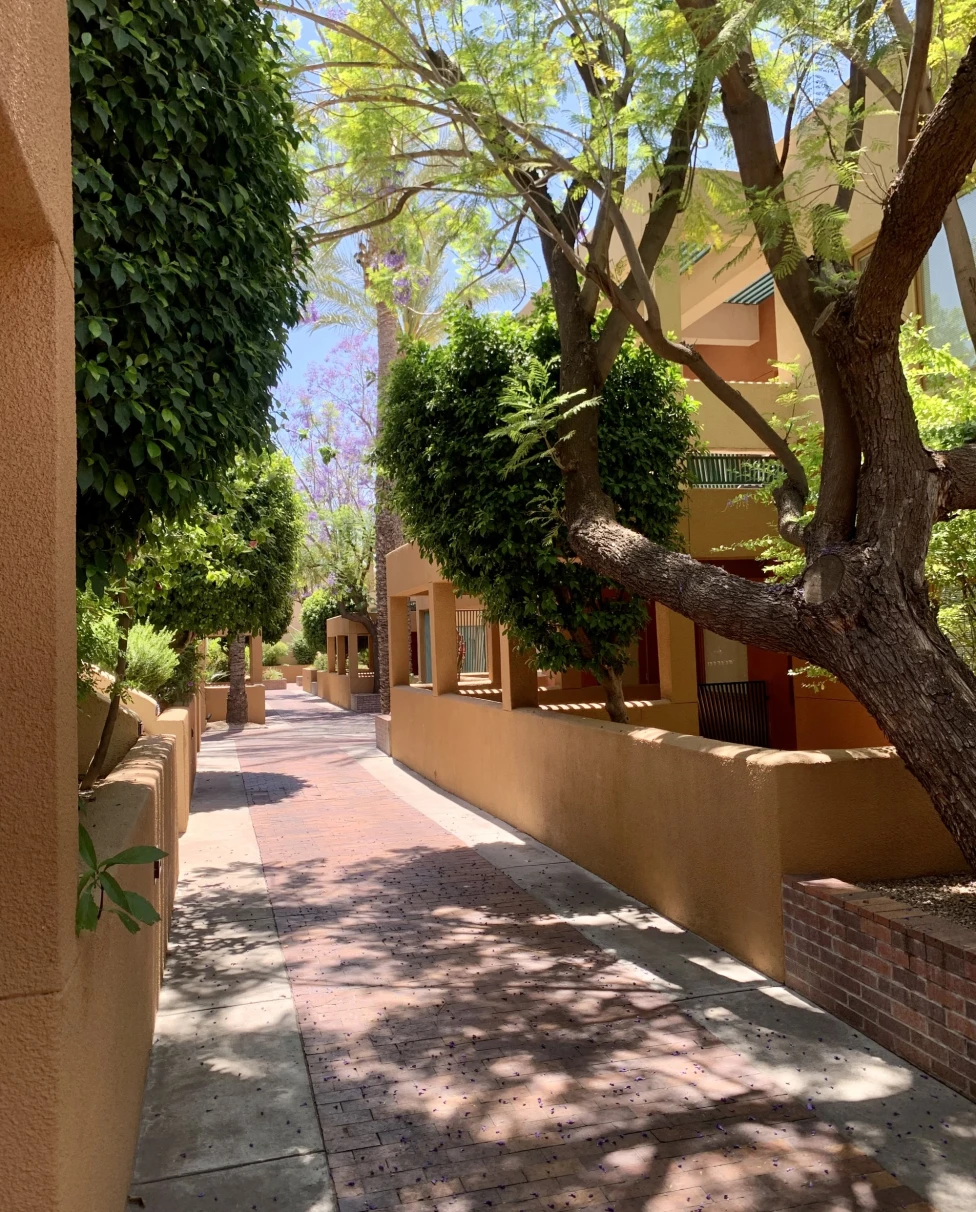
x=520 y=683
x=255 y=646
x=677 y=666
x=399 y=625
x=342 y=653
x=493 y=647
x=443 y=638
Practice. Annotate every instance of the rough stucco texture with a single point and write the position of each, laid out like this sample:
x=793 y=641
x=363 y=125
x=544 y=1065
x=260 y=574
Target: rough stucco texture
x=702 y=831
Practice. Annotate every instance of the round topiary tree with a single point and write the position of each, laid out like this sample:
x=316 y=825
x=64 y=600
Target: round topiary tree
x=235 y=574
x=495 y=529
x=317 y=609
x=189 y=264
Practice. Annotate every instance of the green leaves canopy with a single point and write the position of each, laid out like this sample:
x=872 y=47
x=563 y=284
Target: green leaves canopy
x=188 y=262
x=496 y=533
x=234 y=570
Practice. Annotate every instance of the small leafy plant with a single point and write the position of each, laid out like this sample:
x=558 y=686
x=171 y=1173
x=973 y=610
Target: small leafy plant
x=96 y=883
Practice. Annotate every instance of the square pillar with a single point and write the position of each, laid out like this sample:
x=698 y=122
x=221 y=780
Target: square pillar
x=255 y=647
x=677 y=666
x=330 y=653
x=494 y=652
x=520 y=683
x=399 y=641
x=443 y=638
x=342 y=653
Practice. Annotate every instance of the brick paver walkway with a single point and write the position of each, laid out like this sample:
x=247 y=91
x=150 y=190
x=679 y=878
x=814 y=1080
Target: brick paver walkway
x=470 y=1051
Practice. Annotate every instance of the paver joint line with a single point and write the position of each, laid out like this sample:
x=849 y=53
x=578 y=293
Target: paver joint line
x=486 y=1026
x=444 y=1009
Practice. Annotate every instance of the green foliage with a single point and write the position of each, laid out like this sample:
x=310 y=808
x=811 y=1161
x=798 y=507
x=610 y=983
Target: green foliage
x=229 y=570
x=183 y=681
x=96 y=882
x=492 y=522
x=276 y=654
x=302 y=649
x=188 y=261
x=216 y=668
x=943 y=391
x=98 y=639
x=273 y=675
x=317 y=609
x=321 y=661
x=151 y=659
x=278 y=619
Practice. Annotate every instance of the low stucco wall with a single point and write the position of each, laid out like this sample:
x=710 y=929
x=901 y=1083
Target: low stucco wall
x=339 y=688
x=307 y=679
x=77 y=1070
x=701 y=830
x=92 y=711
x=180 y=724
x=291 y=673
x=217 y=703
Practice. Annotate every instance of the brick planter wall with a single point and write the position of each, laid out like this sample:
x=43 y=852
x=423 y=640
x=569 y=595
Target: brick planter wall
x=903 y=977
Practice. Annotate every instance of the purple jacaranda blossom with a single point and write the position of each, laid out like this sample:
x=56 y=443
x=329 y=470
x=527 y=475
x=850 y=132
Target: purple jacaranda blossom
x=394 y=259
x=334 y=409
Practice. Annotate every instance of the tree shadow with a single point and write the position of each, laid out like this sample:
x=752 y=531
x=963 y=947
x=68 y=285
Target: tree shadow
x=469 y=1050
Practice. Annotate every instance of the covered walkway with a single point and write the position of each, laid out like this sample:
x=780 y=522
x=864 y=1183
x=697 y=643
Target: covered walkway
x=378 y=996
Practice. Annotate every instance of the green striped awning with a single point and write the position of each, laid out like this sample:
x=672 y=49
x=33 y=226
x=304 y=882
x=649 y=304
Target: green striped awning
x=756 y=292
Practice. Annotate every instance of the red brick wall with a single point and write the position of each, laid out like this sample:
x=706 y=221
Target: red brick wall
x=903 y=977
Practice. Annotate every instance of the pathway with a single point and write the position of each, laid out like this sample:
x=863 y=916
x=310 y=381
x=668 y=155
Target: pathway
x=481 y=1024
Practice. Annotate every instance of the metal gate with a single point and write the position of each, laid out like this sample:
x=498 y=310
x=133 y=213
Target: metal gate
x=734 y=711
x=471 y=628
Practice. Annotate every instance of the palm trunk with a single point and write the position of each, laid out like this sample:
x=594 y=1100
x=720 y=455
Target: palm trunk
x=96 y=765
x=612 y=682
x=237 y=693
x=389 y=533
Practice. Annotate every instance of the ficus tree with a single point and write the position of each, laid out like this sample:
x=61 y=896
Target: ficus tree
x=491 y=521
x=189 y=258
x=559 y=106
x=230 y=570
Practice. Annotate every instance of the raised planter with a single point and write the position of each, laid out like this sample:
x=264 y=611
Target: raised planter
x=275 y=684
x=217 y=702
x=903 y=977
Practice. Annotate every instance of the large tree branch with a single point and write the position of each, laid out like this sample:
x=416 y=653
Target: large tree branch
x=755 y=613
x=940 y=159
x=665 y=208
x=915 y=77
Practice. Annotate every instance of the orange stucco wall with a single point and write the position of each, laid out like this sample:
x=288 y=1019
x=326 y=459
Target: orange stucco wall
x=702 y=831
x=217 y=702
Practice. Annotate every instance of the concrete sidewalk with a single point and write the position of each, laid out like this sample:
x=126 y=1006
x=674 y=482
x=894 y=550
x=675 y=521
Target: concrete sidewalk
x=485 y=1023
x=228 y=1116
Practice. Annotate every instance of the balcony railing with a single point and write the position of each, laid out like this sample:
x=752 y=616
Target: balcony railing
x=734 y=711
x=732 y=470
x=471 y=629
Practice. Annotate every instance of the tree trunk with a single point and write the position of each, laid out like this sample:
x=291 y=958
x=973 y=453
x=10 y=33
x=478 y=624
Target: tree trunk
x=237 y=692
x=389 y=533
x=613 y=683
x=95 y=766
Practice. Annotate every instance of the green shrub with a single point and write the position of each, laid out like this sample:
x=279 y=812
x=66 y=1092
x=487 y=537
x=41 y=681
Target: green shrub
x=317 y=609
x=276 y=654
x=321 y=661
x=494 y=527
x=302 y=649
x=184 y=680
x=98 y=640
x=152 y=660
x=273 y=675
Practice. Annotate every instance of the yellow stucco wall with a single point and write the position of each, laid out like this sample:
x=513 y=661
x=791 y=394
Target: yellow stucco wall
x=217 y=702
x=702 y=831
